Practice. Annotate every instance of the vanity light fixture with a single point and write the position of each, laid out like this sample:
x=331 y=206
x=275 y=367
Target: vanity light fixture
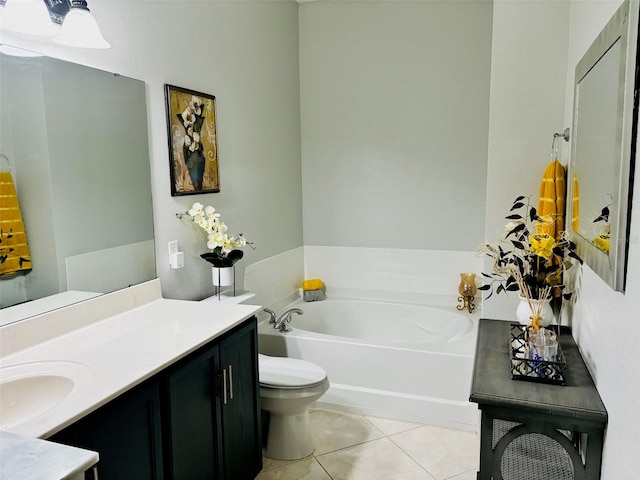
x=80 y=29
x=44 y=17
x=28 y=16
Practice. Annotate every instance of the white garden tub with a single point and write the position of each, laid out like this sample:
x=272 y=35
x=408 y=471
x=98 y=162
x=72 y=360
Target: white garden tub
x=410 y=359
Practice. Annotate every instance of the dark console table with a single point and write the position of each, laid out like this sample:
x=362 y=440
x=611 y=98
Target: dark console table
x=535 y=431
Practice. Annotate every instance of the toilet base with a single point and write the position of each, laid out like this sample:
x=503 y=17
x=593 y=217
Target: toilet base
x=289 y=437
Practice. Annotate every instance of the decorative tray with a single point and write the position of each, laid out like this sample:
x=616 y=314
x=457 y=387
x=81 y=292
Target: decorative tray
x=524 y=368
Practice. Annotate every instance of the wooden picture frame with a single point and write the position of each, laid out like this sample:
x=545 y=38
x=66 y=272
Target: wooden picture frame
x=193 y=141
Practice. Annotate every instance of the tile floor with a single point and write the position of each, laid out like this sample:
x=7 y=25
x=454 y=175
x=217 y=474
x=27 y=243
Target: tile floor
x=354 y=447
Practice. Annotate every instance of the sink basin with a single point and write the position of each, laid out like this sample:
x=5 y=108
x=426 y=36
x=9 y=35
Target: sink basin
x=28 y=390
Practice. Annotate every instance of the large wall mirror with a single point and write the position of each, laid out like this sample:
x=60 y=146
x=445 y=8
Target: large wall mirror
x=74 y=140
x=604 y=138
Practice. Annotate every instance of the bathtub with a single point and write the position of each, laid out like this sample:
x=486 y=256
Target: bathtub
x=406 y=357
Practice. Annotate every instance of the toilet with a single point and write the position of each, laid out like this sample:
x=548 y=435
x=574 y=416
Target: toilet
x=287 y=387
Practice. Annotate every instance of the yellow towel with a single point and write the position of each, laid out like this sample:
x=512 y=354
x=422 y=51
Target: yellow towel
x=14 y=249
x=575 y=216
x=313 y=284
x=552 y=200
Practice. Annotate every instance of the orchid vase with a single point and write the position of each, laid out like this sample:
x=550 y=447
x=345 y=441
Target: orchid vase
x=223 y=276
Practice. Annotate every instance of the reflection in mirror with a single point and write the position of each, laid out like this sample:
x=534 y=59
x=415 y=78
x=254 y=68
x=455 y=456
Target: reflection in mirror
x=599 y=109
x=605 y=124
x=76 y=148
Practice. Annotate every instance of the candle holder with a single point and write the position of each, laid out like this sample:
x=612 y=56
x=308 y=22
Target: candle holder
x=467 y=290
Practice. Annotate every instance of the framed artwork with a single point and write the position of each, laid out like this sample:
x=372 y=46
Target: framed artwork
x=193 y=149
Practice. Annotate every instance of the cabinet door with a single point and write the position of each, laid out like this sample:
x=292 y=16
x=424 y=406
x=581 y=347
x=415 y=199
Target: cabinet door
x=241 y=439
x=191 y=418
x=126 y=433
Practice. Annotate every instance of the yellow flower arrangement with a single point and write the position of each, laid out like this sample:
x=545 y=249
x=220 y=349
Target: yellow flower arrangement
x=542 y=245
x=531 y=263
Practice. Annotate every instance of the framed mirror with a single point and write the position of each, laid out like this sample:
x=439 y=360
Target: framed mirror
x=604 y=144
x=74 y=142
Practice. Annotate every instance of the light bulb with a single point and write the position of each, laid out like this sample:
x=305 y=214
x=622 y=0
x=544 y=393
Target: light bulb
x=28 y=16
x=80 y=29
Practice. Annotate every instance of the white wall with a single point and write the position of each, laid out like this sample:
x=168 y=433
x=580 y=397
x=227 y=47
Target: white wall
x=394 y=110
x=528 y=74
x=433 y=272
x=276 y=279
x=244 y=53
x=536 y=46
x=604 y=321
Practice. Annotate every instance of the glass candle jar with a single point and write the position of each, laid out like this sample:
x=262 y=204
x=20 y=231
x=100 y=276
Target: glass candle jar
x=467 y=287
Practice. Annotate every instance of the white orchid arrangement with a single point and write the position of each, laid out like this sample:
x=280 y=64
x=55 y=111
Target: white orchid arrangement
x=225 y=248
x=192 y=119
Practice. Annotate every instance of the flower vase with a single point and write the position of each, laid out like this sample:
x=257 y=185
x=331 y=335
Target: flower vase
x=223 y=276
x=524 y=313
x=195 y=165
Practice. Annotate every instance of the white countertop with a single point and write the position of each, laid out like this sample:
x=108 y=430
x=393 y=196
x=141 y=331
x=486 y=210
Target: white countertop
x=120 y=352
x=34 y=459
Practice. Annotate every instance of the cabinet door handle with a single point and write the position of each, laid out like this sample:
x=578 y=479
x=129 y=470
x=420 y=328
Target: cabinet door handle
x=224 y=386
x=230 y=383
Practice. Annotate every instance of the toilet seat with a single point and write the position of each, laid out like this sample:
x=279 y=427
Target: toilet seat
x=289 y=373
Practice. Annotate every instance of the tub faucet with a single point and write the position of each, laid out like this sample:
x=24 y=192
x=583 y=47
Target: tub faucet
x=281 y=323
x=272 y=315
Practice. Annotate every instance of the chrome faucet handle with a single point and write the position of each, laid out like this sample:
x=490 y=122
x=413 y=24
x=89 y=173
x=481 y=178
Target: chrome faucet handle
x=283 y=326
x=272 y=315
x=281 y=323
x=285 y=318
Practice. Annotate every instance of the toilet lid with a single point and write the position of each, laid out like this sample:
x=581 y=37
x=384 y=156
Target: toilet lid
x=289 y=372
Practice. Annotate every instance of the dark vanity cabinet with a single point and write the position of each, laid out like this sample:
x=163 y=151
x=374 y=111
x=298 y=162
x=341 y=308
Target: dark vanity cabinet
x=242 y=443
x=126 y=433
x=213 y=417
x=197 y=419
x=192 y=417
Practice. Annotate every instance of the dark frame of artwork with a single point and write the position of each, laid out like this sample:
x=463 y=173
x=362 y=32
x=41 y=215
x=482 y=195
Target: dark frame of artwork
x=193 y=141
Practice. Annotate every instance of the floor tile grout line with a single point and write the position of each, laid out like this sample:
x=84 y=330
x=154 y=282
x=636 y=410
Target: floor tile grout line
x=315 y=457
x=424 y=468
x=407 y=453
x=384 y=435
x=322 y=467
x=411 y=456
x=458 y=474
x=348 y=446
x=360 y=443
x=288 y=462
x=416 y=426
x=363 y=417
